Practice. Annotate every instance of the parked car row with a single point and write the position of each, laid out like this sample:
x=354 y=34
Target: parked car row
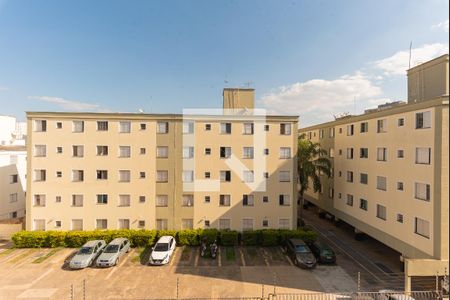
x=307 y=255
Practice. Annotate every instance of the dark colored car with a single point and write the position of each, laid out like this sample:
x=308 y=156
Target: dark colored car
x=300 y=253
x=323 y=253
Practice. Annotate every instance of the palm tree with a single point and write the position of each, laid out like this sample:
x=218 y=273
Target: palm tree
x=311 y=162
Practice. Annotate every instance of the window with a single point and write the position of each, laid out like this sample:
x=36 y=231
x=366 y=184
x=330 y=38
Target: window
x=141 y=223
x=187 y=200
x=162 y=127
x=349 y=153
x=225 y=200
x=13 y=215
x=188 y=176
x=40 y=175
x=330 y=193
x=284 y=224
x=188 y=152
x=340 y=130
x=101 y=224
x=39 y=200
x=124 y=176
x=381 y=212
x=40 y=125
x=187 y=224
x=364 y=127
x=12 y=197
x=340 y=151
x=207 y=199
x=401 y=122
x=59 y=150
x=40 y=150
x=248 y=176
x=284 y=176
x=363 y=178
x=225 y=128
x=207 y=151
x=14 y=178
x=141 y=175
x=102 y=199
x=422 y=227
x=102 y=150
x=284 y=200
x=363 y=152
x=58 y=125
x=350 y=129
x=248 y=200
x=188 y=127
x=265 y=199
x=331 y=132
x=423 y=156
x=207 y=175
x=78 y=126
x=349 y=200
x=285 y=129
x=247 y=224
x=161 y=224
x=422 y=191
x=124 y=224
x=124 y=200
x=363 y=204
x=349 y=176
x=399 y=186
x=321 y=134
x=381 y=126
x=141 y=199
x=162 y=200
x=248 y=128
x=331 y=152
x=162 y=176
x=207 y=127
x=400 y=153
x=265 y=223
x=39 y=224
x=77 y=151
x=400 y=218
x=381 y=154
x=266 y=175
x=102 y=174
x=143 y=126
x=266 y=127
x=77 y=200
x=142 y=151
x=124 y=151
x=162 y=152
x=423 y=120
x=248 y=152
x=225 y=152
x=381 y=183
x=102 y=125
x=224 y=224
x=266 y=151
x=124 y=127
x=58 y=174
x=285 y=152
x=77 y=224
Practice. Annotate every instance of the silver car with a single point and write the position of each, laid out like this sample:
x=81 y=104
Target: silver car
x=112 y=253
x=87 y=254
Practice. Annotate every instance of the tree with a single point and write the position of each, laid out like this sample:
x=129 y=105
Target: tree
x=311 y=162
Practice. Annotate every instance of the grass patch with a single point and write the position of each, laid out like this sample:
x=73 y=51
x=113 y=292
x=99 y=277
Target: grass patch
x=21 y=256
x=186 y=254
x=7 y=251
x=44 y=257
x=143 y=254
x=230 y=253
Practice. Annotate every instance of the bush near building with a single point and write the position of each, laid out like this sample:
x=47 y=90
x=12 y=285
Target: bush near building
x=144 y=238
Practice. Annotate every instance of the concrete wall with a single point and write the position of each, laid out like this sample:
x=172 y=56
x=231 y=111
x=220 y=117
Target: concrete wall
x=7 y=230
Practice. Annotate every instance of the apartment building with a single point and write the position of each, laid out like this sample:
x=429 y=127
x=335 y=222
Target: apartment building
x=390 y=169
x=234 y=169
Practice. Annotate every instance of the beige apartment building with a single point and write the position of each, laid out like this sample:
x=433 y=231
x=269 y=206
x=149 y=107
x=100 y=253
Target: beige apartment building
x=390 y=170
x=231 y=169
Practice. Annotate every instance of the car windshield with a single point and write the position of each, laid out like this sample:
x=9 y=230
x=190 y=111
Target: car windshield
x=86 y=250
x=161 y=247
x=301 y=249
x=327 y=252
x=111 y=249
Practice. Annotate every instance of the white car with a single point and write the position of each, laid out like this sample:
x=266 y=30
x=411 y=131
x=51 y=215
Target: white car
x=162 y=251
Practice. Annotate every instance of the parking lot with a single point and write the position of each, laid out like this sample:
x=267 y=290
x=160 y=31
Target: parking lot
x=237 y=271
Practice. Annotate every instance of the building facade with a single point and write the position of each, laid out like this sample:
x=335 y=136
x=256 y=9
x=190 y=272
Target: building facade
x=161 y=171
x=390 y=168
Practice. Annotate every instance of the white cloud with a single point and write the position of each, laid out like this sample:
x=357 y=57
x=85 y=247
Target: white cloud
x=398 y=63
x=3 y=88
x=70 y=105
x=442 y=25
x=318 y=100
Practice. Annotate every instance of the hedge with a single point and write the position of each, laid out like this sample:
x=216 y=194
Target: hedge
x=143 y=238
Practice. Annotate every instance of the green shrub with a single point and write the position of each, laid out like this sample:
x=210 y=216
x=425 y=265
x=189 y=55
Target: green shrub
x=75 y=239
x=209 y=234
x=188 y=237
x=229 y=237
x=55 y=239
x=142 y=238
x=269 y=237
x=160 y=233
x=251 y=237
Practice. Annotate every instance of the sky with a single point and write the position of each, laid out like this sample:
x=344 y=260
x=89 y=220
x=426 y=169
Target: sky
x=315 y=59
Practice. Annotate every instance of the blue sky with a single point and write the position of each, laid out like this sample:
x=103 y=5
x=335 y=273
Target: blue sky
x=311 y=58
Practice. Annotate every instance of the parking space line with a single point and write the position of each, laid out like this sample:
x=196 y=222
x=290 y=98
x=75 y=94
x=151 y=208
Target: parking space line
x=242 y=257
x=219 y=257
x=265 y=257
x=286 y=256
x=174 y=255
